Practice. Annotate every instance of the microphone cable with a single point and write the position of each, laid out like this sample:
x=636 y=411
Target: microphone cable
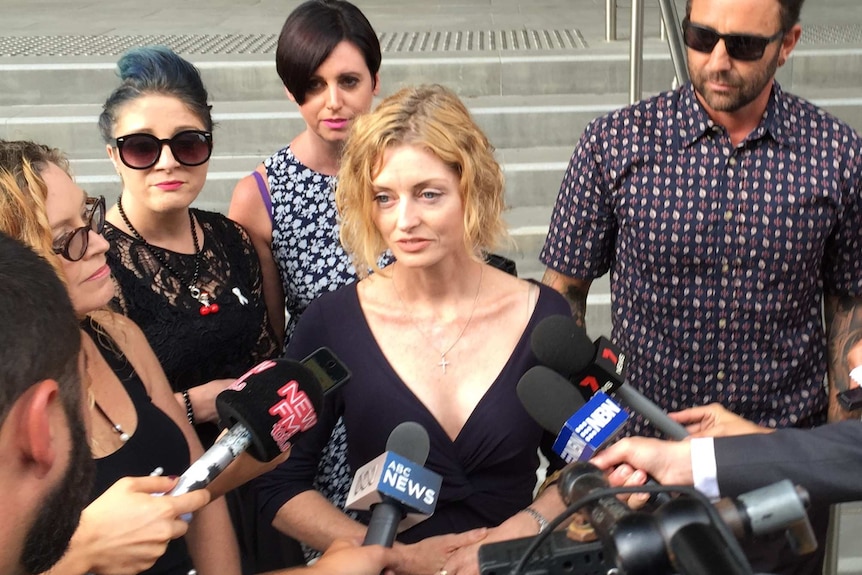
x=597 y=494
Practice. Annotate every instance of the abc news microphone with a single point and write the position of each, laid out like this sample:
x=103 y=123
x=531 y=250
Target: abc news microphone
x=395 y=486
x=272 y=403
x=562 y=345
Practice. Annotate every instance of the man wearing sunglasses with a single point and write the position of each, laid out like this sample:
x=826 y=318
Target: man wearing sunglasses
x=729 y=214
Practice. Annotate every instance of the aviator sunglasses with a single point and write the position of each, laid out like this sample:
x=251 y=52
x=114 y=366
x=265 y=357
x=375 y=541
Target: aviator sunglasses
x=744 y=47
x=73 y=245
x=142 y=151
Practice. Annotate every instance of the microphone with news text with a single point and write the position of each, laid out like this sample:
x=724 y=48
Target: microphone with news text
x=562 y=345
x=395 y=486
x=556 y=405
x=265 y=408
x=582 y=429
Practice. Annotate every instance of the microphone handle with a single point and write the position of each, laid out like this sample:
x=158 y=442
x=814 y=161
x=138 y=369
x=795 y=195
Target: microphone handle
x=214 y=460
x=385 y=517
x=640 y=404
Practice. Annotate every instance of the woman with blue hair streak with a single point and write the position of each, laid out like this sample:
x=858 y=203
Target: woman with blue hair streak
x=189 y=278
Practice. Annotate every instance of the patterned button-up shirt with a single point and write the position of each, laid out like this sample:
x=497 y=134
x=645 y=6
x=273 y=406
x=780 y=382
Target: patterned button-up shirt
x=719 y=254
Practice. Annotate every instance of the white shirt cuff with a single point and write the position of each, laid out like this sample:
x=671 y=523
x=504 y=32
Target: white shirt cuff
x=703 y=469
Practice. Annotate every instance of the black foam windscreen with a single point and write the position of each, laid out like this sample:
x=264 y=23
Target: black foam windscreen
x=561 y=344
x=276 y=401
x=548 y=397
x=410 y=440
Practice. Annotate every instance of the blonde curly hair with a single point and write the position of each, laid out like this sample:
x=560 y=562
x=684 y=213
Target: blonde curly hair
x=433 y=117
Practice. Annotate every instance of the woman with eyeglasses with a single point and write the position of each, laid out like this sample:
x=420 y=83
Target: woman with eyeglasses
x=189 y=278
x=136 y=427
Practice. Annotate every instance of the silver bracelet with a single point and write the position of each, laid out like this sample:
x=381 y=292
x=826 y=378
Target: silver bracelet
x=540 y=519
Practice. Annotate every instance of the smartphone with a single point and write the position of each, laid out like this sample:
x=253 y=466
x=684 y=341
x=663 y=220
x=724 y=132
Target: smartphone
x=851 y=399
x=329 y=370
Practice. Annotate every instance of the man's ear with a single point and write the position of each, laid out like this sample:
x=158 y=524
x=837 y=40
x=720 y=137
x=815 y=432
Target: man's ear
x=37 y=412
x=289 y=95
x=788 y=43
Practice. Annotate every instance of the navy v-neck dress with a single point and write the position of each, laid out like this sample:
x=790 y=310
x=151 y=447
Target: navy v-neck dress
x=489 y=470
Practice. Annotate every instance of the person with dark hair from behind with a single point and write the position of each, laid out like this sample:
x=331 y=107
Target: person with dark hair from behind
x=189 y=278
x=45 y=466
x=728 y=213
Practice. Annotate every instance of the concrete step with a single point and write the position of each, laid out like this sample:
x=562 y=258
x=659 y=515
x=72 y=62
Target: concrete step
x=253 y=77
x=601 y=68
x=257 y=128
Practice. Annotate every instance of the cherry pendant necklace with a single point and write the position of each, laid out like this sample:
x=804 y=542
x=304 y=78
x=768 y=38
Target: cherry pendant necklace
x=201 y=296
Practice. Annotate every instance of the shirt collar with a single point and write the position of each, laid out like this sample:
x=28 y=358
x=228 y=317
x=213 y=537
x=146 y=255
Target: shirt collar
x=695 y=122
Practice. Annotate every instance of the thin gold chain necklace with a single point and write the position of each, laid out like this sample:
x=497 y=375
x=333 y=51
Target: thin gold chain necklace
x=443 y=362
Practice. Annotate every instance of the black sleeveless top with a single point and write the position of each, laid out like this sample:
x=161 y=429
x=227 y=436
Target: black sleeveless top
x=156 y=442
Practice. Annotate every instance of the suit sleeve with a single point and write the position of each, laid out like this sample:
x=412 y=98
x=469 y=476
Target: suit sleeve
x=827 y=461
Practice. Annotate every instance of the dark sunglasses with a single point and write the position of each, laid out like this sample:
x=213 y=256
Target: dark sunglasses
x=142 y=151
x=744 y=47
x=73 y=245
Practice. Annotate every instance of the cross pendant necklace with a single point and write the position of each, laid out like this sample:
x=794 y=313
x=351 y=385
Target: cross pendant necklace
x=443 y=363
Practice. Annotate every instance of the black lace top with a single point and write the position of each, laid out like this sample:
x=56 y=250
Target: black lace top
x=194 y=348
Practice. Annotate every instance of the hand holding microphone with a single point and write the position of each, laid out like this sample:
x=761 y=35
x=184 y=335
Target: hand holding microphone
x=125 y=530
x=272 y=404
x=582 y=429
x=714 y=420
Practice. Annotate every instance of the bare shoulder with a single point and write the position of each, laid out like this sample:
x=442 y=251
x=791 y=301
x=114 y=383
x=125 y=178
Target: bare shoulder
x=375 y=292
x=246 y=204
x=131 y=341
x=503 y=285
x=121 y=329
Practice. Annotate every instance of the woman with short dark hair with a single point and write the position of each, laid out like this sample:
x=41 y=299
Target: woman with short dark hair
x=328 y=58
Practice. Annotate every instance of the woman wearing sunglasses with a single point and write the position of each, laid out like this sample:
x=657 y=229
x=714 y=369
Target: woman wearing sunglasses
x=190 y=278
x=136 y=426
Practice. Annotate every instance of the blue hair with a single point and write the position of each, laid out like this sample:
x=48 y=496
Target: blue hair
x=155 y=70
